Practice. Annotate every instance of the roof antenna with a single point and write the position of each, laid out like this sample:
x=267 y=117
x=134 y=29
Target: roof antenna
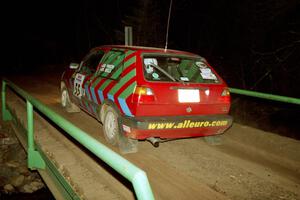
x=168 y=24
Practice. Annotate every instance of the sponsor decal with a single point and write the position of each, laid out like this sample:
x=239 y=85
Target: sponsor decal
x=126 y=128
x=107 y=68
x=187 y=124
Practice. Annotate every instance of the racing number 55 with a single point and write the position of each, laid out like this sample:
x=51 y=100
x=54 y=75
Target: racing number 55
x=78 y=91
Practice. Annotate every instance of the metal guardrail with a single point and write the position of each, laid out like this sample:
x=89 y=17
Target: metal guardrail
x=131 y=172
x=265 y=96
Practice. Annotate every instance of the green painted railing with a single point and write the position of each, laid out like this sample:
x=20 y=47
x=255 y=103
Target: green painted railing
x=131 y=172
x=266 y=96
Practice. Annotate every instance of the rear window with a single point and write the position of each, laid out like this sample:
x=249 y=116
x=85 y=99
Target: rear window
x=170 y=68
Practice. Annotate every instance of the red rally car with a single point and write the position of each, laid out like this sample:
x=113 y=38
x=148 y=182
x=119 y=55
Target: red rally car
x=148 y=93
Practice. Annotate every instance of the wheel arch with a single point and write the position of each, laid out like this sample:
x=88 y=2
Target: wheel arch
x=103 y=107
x=62 y=85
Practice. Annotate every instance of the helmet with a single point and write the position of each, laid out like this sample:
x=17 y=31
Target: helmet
x=149 y=69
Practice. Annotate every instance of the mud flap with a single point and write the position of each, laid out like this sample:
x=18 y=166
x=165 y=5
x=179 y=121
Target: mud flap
x=126 y=145
x=213 y=140
x=72 y=108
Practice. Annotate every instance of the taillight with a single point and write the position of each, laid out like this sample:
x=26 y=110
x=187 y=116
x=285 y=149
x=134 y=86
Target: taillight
x=143 y=95
x=225 y=96
x=139 y=90
x=225 y=92
x=224 y=99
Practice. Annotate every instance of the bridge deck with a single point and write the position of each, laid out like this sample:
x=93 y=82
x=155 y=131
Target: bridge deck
x=90 y=178
x=249 y=163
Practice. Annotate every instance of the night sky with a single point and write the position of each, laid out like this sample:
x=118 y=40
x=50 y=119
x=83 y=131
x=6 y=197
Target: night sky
x=252 y=44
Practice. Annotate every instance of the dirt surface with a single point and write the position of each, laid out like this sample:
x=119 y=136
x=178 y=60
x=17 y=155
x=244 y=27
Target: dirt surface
x=244 y=163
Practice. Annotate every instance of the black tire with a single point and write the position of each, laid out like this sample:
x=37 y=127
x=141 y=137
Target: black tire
x=111 y=126
x=66 y=102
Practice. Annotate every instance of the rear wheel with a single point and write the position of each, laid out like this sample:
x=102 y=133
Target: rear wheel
x=111 y=126
x=112 y=132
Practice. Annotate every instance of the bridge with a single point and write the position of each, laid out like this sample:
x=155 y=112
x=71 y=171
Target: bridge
x=71 y=155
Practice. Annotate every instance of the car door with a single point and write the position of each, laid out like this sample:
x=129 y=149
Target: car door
x=82 y=79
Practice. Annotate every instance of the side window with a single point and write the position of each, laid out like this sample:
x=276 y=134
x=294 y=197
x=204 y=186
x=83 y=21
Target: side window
x=112 y=64
x=91 y=62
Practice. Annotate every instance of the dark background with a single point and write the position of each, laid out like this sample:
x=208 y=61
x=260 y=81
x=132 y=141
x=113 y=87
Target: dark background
x=252 y=44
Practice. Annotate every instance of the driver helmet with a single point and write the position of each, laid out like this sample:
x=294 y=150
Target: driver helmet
x=148 y=67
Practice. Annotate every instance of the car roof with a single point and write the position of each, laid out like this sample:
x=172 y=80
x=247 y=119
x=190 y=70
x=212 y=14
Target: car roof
x=150 y=50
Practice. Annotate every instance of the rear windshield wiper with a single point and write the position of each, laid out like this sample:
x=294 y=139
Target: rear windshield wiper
x=164 y=72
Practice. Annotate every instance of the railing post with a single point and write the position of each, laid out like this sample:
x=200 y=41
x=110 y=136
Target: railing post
x=6 y=116
x=128 y=35
x=142 y=187
x=34 y=158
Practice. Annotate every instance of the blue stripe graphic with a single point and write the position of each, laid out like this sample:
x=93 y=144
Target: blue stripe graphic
x=125 y=107
x=94 y=109
x=93 y=95
x=100 y=93
x=111 y=97
x=87 y=94
x=87 y=107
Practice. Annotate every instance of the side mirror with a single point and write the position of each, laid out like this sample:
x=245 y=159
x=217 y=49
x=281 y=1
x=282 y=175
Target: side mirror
x=74 y=66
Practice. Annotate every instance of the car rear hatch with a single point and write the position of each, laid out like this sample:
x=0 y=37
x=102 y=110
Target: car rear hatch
x=177 y=85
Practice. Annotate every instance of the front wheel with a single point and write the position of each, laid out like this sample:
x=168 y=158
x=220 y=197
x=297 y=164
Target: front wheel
x=66 y=102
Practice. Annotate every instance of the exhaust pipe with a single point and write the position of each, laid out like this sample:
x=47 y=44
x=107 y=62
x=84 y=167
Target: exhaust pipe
x=154 y=141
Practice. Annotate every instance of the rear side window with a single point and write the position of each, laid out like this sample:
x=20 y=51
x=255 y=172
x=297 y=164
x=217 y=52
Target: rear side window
x=112 y=64
x=176 y=68
x=91 y=61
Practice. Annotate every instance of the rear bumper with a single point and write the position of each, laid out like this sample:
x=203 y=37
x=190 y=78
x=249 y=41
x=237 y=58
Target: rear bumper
x=175 y=127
